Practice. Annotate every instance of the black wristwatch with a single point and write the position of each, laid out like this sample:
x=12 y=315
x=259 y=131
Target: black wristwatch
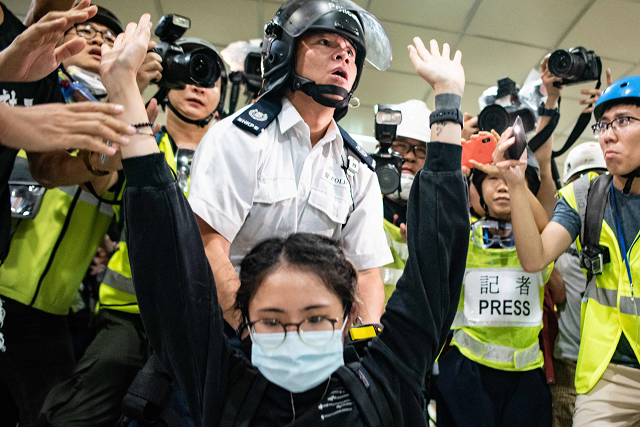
x=447 y=115
x=549 y=112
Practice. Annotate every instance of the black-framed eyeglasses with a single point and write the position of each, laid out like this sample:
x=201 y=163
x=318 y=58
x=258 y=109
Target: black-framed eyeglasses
x=89 y=32
x=403 y=148
x=621 y=123
x=306 y=327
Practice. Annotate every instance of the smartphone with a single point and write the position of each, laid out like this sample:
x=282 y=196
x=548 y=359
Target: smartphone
x=516 y=149
x=479 y=148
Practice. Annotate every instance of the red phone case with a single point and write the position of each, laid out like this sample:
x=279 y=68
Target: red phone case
x=480 y=149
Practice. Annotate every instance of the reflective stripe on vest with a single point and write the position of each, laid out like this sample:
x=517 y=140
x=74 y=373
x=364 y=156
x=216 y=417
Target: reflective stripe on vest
x=390 y=276
x=607 y=309
x=89 y=198
x=520 y=358
x=117 y=291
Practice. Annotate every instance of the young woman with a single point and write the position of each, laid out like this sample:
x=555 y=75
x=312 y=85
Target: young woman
x=296 y=293
x=492 y=374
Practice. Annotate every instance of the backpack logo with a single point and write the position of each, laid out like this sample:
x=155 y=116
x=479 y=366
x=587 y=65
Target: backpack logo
x=258 y=115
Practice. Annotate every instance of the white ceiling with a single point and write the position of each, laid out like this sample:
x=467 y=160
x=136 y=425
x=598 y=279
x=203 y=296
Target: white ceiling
x=498 y=38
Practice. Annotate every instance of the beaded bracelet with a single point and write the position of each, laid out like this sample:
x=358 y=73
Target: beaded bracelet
x=143 y=125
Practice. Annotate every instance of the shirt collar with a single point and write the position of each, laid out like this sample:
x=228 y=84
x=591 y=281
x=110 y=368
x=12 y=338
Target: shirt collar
x=289 y=117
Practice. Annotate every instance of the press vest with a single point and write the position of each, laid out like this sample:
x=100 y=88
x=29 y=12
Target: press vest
x=607 y=308
x=117 y=291
x=499 y=315
x=400 y=252
x=49 y=254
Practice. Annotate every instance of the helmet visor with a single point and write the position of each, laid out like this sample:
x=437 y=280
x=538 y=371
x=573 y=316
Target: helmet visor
x=296 y=16
x=487 y=234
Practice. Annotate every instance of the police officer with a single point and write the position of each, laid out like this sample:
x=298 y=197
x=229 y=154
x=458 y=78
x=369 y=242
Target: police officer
x=119 y=349
x=412 y=133
x=607 y=372
x=492 y=372
x=283 y=165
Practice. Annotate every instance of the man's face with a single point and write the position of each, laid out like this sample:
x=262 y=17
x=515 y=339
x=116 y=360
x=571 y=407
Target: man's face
x=621 y=148
x=89 y=58
x=413 y=151
x=195 y=102
x=326 y=58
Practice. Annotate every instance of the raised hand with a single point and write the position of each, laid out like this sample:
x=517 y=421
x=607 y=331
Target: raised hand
x=594 y=94
x=548 y=79
x=445 y=75
x=122 y=61
x=512 y=171
x=33 y=54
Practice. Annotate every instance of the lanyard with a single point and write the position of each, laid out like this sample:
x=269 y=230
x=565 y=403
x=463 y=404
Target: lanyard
x=621 y=239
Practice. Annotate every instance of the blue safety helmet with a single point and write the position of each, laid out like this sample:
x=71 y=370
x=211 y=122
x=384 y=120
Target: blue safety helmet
x=626 y=90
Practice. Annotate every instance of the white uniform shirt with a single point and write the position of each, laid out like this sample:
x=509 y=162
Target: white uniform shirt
x=249 y=188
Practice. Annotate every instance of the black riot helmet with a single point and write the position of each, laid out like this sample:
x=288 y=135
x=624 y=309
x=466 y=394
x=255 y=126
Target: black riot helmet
x=190 y=44
x=343 y=17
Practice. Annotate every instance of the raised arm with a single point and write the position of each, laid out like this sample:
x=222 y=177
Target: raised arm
x=535 y=250
x=421 y=309
x=173 y=282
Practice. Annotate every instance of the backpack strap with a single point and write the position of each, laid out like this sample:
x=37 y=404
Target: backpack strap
x=369 y=399
x=149 y=393
x=258 y=116
x=593 y=256
x=351 y=145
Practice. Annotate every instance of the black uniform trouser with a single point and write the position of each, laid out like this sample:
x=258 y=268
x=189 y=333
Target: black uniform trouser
x=37 y=355
x=473 y=395
x=93 y=395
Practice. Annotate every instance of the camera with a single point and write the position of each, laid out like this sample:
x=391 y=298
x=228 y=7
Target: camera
x=388 y=163
x=198 y=67
x=575 y=65
x=503 y=108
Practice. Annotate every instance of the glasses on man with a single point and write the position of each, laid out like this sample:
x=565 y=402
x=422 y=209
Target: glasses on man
x=617 y=125
x=306 y=330
x=89 y=32
x=403 y=148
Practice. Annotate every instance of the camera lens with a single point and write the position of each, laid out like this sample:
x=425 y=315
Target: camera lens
x=493 y=117
x=568 y=65
x=388 y=178
x=203 y=69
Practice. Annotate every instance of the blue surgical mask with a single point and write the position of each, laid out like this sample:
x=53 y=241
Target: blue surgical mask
x=295 y=365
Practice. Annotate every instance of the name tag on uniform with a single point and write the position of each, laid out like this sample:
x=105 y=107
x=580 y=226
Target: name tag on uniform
x=502 y=297
x=335 y=178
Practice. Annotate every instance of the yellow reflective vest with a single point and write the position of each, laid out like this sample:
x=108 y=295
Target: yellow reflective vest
x=49 y=254
x=117 y=291
x=400 y=251
x=608 y=311
x=499 y=315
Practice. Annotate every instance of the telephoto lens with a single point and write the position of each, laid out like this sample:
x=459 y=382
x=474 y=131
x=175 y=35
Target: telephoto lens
x=388 y=178
x=494 y=117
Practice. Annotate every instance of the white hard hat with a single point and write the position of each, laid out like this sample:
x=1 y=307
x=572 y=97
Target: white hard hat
x=415 y=121
x=583 y=157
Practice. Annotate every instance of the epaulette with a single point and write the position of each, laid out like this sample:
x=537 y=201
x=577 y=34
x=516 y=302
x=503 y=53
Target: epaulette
x=258 y=116
x=360 y=153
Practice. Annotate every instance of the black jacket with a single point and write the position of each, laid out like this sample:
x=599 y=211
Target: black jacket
x=179 y=307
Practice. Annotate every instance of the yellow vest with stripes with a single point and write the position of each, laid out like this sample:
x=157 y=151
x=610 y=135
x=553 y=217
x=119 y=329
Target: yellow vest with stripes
x=49 y=254
x=507 y=348
x=117 y=291
x=392 y=271
x=608 y=311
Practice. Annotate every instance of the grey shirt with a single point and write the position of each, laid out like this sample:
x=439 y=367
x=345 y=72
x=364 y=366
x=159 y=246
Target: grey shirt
x=568 y=340
x=629 y=209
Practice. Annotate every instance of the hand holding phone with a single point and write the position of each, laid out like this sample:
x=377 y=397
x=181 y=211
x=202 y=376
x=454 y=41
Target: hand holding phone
x=517 y=148
x=479 y=148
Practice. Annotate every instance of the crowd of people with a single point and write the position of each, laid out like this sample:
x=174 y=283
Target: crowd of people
x=245 y=269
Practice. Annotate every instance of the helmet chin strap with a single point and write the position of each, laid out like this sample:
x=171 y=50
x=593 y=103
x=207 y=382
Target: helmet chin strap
x=630 y=176
x=201 y=122
x=319 y=92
